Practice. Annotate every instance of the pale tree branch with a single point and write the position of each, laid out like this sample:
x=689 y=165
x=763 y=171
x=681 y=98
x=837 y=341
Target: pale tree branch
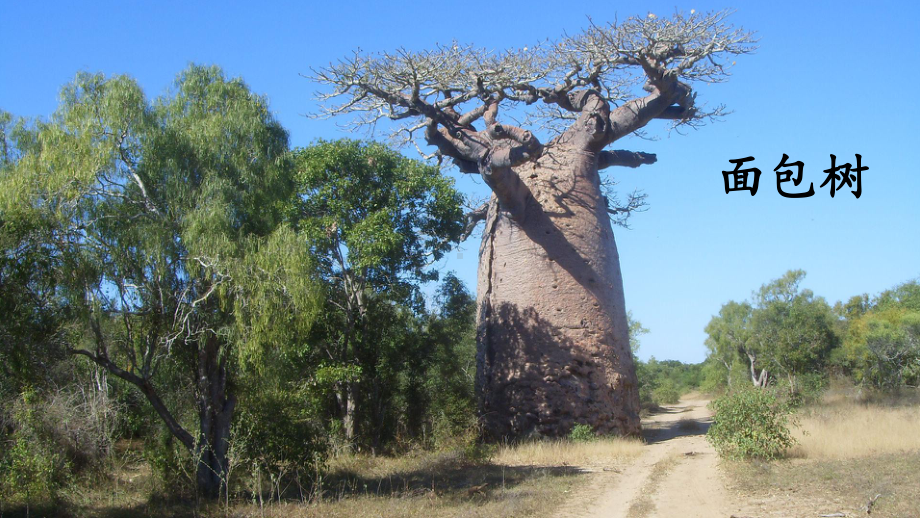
x=589 y=82
x=623 y=158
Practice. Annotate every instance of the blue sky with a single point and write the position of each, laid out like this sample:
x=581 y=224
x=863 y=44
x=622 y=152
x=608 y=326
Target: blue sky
x=829 y=77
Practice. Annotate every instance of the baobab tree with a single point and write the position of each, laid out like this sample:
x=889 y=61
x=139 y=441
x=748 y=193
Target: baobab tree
x=553 y=346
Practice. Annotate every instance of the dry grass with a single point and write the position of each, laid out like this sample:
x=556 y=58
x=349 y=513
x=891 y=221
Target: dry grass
x=849 y=451
x=529 y=479
x=851 y=430
x=798 y=487
x=605 y=452
x=443 y=484
x=539 y=494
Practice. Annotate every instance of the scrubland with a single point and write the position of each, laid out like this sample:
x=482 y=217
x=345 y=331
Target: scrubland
x=854 y=451
x=527 y=479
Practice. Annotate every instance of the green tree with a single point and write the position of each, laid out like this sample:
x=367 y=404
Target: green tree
x=894 y=350
x=880 y=343
x=729 y=341
x=793 y=330
x=449 y=381
x=31 y=327
x=377 y=221
x=787 y=331
x=636 y=330
x=166 y=220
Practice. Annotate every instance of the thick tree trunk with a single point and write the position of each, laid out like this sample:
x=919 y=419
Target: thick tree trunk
x=553 y=344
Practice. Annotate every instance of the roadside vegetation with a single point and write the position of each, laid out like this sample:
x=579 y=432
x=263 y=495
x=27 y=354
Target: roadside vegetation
x=819 y=406
x=853 y=451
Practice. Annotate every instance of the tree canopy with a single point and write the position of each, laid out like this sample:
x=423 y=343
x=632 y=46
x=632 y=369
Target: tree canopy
x=166 y=218
x=786 y=331
x=378 y=222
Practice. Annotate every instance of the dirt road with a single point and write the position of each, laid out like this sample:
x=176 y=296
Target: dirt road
x=677 y=475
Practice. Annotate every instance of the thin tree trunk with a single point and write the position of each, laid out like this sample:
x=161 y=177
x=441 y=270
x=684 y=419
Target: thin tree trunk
x=349 y=418
x=215 y=412
x=758 y=379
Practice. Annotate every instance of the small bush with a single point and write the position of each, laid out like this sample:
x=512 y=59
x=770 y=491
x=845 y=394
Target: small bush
x=750 y=423
x=172 y=466
x=32 y=469
x=667 y=393
x=806 y=389
x=582 y=433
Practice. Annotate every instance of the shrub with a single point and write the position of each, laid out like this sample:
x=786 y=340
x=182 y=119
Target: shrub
x=32 y=469
x=667 y=393
x=582 y=433
x=750 y=423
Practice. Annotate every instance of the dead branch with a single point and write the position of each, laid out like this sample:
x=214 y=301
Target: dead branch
x=871 y=503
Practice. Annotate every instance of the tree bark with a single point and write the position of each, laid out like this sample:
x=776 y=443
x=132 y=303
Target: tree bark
x=553 y=337
x=759 y=380
x=553 y=342
x=215 y=413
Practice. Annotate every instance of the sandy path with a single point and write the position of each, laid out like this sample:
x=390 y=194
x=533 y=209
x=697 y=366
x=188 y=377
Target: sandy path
x=677 y=475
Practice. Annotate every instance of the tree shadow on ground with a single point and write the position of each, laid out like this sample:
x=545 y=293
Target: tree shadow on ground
x=445 y=477
x=449 y=477
x=656 y=432
x=151 y=509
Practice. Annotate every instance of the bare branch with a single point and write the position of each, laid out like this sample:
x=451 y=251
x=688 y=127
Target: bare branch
x=623 y=158
x=446 y=89
x=473 y=218
x=525 y=146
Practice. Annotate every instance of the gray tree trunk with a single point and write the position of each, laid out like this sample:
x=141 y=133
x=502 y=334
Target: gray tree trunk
x=215 y=413
x=553 y=338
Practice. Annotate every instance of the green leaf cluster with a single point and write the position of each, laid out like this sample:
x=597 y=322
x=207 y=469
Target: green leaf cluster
x=750 y=423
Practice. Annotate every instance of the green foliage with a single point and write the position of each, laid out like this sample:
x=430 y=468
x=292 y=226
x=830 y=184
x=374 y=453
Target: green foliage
x=881 y=341
x=809 y=388
x=660 y=382
x=636 y=330
x=715 y=376
x=31 y=329
x=729 y=338
x=664 y=382
x=793 y=329
x=391 y=216
x=449 y=376
x=787 y=331
x=582 y=433
x=750 y=423
x=165 y=221
x=377 y=221
x=295 y=438
x=171 y=463
x=667 y=392
x=894 y=350
x=32 y=468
